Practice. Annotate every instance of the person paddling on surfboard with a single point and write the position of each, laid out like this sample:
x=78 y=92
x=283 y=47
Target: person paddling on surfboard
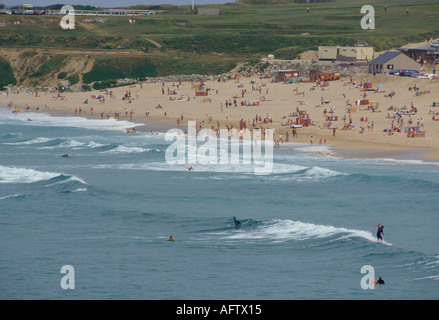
x=380 y=232
x=237 y=222
x=380 y=281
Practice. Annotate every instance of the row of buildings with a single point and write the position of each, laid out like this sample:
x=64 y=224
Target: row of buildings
x=29 y=9
x=403 y=61
x=402 y=58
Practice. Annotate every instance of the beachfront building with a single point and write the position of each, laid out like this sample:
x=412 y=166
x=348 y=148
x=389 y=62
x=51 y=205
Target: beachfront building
x=390 y=61
x=107 y=12
x=425 y=54
x=285 y=75
x=346 y=53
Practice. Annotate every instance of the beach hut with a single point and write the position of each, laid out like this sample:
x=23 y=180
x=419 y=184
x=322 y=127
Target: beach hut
x=392 y=60
x=314 y=75
x=284 y=75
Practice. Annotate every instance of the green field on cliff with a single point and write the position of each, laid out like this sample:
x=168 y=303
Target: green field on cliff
x=190 y=43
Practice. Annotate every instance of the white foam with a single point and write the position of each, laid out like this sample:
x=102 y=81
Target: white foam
x=24 y=175
x=14 y=175
x=29 y=142
x=44 y=119
x=316 y=149
x=93 y=145
x=11 y=196
x=73 y=144
x=284 y=230
x=124 y=149
x=69 y=179
x=319 y=173
x=408 y=161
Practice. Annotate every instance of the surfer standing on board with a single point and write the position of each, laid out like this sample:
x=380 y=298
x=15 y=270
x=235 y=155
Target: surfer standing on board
x=380 y=232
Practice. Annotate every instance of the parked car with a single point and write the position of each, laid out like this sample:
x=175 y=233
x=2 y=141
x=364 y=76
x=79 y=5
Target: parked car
x=407 y=73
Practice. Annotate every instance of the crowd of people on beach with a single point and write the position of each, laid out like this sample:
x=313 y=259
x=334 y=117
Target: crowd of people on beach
x=287 y=125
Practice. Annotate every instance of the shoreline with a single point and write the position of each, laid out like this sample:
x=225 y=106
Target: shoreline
x=151 y=109
x=339 y=149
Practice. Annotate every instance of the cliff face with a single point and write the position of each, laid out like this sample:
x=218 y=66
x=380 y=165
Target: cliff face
x=37 y=67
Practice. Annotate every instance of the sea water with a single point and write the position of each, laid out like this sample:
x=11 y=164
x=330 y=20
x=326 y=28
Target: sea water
x=308 y=227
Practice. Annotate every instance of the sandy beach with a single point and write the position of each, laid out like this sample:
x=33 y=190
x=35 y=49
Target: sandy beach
x=323 y=113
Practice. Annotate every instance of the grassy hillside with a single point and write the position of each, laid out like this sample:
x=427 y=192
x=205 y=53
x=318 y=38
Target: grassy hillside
x=113 y=69
x=242 y=25
x=212 y=44
x=6 y=74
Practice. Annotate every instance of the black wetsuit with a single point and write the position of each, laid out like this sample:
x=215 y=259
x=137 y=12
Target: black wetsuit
x=379 y=233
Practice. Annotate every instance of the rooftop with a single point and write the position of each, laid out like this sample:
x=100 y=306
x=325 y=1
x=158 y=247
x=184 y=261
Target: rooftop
x=385 y=57
x=425 y=47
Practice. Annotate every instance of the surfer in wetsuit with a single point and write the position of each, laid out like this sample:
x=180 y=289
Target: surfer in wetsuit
x=380 y=232
x=237 y=222
x=380 y=281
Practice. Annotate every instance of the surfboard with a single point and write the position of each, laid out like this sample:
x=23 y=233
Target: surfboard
x=389 y=244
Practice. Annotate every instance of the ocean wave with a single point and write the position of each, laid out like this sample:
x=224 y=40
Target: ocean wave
x=37 y=140
x=303 y=174
x=14 y=175
x=124 y=149
x=280 y=172
x=61 y=179
x=44 y=119
x=16 y=196
x=286 y=230
x=71 y=144
x=408 y=161
x=10 y=135
x=315 y=149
